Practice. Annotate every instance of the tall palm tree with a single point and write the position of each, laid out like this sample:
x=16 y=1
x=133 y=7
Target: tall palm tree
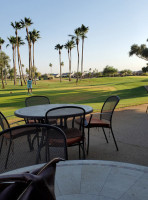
x=34 y=36
x=59 y=48
x=83 y=31
x=1 y=43
x=12 y=41
x=50 y=65
x=4 y=61
x=17 y=26
x=76 y=37
x=21 y=42
x=26 y=23
x=69 y=45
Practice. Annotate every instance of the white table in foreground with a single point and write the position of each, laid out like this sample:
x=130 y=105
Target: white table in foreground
x=99 y=180
x=38 y=112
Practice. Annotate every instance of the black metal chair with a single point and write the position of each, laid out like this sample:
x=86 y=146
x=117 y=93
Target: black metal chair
x=105 y=120
x=65 y=118
x=34 y=101
x=21 y=155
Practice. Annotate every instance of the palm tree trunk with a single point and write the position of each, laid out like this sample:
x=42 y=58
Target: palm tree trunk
x=82 y=58
x=69 y=63
x=30 y=74
x=22 y=71
x=34 y=66
x=78 y=63
x=60 y=67
x=18 y=53
x=29 y=51
x=14 y=67
x=70 y=67
x=3 y=85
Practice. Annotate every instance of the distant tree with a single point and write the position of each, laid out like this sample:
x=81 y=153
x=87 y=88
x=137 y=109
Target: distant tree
x=34 y=36
x=62 y=65
x=145 y=69
x=50 y=65
x=4 y=62
x=69 y=46
x=11 y=73
x=1 y=43
x=12 y=41
x=140 y=51
x=76 y=37
x=59 y=48
x=26 y=23
x=83 y=32
x=109 y=71
x=17 y=26
x=126 y=72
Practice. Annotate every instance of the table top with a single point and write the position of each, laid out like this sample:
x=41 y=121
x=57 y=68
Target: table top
x=39 y=111
x=98 y=179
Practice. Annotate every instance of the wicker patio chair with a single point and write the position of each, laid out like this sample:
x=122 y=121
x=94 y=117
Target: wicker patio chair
x=105 y=120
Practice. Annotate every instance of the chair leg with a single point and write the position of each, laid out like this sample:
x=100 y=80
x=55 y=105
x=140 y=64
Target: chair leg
x=105 y=134
x=1 y=144
x=8 y=154
x=79 y=152
x=114 y=139
x=83 y=148
x=88 y=141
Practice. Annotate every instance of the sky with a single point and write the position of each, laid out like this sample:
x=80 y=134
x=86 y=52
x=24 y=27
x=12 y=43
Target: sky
x=114 y=25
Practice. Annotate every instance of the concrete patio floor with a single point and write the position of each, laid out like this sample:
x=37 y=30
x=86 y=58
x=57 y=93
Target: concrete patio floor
x=130 y=126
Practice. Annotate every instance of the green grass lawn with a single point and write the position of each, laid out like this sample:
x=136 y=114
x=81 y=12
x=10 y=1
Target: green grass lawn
x=91 y=92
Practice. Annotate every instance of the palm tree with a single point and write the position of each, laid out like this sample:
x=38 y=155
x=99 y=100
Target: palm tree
x=4 y=61
x=21 y=42
x=50 y=65
x=1 y=42
x=26 y=23
x=12 y=41
x=17 y=26
x=34 y=36
x=69 y=45
x=59 y=48
x=83 y=31
x=76 y=37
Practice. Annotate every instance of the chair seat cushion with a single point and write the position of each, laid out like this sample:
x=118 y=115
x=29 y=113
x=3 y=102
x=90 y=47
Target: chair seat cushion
x=95 y=122
x=73 y=135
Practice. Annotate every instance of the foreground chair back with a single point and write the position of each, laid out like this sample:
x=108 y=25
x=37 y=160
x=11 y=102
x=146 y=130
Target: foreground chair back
x=16 y=155
x=65 y=118
x=105 y=120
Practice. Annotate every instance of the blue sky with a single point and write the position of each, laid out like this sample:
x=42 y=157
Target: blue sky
x=114 y=25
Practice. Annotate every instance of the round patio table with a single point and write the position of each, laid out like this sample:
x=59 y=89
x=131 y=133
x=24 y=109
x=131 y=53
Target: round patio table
x=98 y=179
x=39 y=111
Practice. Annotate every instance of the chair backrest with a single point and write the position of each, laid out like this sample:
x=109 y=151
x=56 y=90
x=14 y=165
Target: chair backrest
x=66 y=116
x=3 y=122
x=22 y=156
x=109 y=107
x=36 y=100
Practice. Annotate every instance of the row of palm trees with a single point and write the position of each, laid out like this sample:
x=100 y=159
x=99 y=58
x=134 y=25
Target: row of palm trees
x=79 y=32
x=16 y=42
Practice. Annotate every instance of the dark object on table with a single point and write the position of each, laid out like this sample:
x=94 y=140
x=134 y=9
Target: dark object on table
x=38 y=184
